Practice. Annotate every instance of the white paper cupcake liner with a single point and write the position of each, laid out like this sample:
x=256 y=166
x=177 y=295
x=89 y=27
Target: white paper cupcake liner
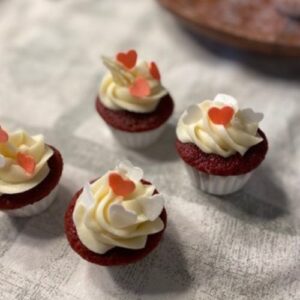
x=217 y=185
x=35 y=208
x=137 y=140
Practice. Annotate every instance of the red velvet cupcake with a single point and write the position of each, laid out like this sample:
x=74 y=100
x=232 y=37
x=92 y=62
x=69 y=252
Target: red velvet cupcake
x=116 y=220
x=132 y=101
x=29 y=173
x=220 y=144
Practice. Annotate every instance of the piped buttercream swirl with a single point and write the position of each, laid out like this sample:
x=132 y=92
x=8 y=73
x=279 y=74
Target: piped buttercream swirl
x=104 y=219
x=195 y=126
x=115 y=92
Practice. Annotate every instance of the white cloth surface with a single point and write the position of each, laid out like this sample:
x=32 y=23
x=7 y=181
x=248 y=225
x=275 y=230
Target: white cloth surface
x=243 y=246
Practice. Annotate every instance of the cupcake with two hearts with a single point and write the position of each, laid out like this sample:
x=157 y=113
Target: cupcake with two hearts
x=220 y=144
x=117 y=219
x=30 y=171
x=132 y=100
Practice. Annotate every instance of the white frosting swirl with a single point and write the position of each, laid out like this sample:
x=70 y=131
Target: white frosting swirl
x=114 y=89
x=13 y=178
x=195 y=126
x=104 y=220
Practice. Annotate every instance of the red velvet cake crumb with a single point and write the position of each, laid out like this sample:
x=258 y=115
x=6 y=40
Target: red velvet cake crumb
x=39 y=192
x=115 y=256
x=217 y=165
x=137 y=122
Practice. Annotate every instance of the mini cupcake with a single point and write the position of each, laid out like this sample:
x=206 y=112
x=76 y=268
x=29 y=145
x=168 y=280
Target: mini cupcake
x=132 y=100
x=220 y=144
x=29 y=173
x=116 y=220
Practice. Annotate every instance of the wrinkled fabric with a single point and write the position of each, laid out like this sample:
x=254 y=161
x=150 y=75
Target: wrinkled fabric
x=242 y=246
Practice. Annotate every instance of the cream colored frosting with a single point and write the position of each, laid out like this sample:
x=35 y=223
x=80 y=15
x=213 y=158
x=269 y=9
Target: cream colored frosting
x=114 y=89
x=13 y=178
x=239 y=135
x=104 y=220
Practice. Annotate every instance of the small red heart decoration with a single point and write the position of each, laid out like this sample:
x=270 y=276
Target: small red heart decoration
x=154 y=71
x=127 y=59
x=27 y=162
x=221 y=116
x=3 y=136
x=140 y=88
x=120 y=186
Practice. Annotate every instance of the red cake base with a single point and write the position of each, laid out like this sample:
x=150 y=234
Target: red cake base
x=137 y=122
x=39 y=192
x=115 y=256
x=217 y=165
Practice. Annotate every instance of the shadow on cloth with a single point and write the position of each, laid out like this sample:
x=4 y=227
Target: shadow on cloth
x=50 y=223
x=164 y=149
x=262 y=198
x=163 y=271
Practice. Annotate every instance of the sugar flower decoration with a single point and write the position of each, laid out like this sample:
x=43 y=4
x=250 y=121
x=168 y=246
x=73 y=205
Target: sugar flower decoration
x=134 y=173
x=14 y=155
x=222 y=113
x=123 y=181
x=193 y=115
x=87 y=195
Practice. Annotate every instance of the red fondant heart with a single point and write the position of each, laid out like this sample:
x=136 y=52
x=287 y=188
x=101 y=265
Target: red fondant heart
x=27 y=162
x=221 y=116
x=3 y=136
x=120 y=186
x=127 y=59
x=140 y=88
x=154 y=71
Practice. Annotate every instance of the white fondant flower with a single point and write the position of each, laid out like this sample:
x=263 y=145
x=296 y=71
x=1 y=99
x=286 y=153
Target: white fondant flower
x=122 y=76
x=153 y=206
x=133 y=173
x=226 y=100
x=87 y=195
x=249 y=116
x=120 y=217
x=193 y=115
